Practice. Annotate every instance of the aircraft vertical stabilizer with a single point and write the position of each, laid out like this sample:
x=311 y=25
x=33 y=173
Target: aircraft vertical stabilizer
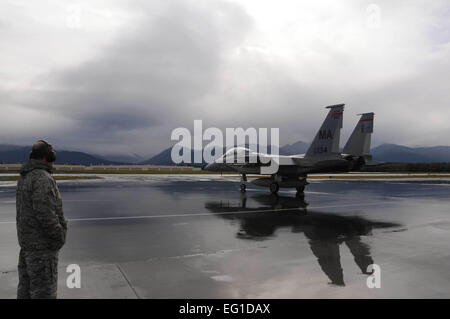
x=326 y=141
x=359 y=142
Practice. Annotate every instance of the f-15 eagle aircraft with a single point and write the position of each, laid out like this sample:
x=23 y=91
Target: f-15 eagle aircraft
x=323 y=155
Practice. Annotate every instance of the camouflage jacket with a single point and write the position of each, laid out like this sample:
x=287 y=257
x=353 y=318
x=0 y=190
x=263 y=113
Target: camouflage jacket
x=40 y=218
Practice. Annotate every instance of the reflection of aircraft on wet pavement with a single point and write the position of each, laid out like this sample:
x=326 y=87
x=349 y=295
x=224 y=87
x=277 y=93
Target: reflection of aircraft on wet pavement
x=325 y=231
x=323 y=155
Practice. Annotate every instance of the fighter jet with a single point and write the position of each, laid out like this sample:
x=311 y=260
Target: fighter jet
x=323 y=155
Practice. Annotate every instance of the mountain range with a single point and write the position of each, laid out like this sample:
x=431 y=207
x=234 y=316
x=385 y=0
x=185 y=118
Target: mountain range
x=399 y=153
x=382 y=153
x=19 y=154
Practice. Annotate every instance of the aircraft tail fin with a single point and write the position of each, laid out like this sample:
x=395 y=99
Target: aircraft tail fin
x=359 y=142
x=326 y=141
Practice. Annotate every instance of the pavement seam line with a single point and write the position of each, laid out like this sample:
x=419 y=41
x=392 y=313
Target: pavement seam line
x=208 y=214
x=128 y=281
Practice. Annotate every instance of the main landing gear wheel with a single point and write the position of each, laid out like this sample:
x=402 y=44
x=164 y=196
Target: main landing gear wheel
x=274 y=187
x=300 y=189
x=243 y=181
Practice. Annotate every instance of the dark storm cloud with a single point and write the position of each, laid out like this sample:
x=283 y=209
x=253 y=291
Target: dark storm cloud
x=168 y=62
x=116 y=121
x=151 y=71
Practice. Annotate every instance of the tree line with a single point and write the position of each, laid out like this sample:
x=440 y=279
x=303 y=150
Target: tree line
x=409 y=167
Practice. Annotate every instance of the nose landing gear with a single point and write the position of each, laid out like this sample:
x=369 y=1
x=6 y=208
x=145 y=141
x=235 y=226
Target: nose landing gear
x=274 y=187
x=243 y=183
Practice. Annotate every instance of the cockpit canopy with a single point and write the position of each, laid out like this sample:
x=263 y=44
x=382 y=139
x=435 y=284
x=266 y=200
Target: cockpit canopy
x=238 y=155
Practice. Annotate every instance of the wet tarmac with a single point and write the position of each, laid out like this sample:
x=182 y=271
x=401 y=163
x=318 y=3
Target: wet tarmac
x=174 y=236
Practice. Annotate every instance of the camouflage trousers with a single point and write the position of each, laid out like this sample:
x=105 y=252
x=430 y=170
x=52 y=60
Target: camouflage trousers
x=38 y=274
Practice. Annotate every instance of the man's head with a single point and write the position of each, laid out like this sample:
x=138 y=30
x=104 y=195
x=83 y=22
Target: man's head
x=43 y=151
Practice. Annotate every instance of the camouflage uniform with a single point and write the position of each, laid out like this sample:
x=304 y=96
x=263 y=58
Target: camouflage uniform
x=41 y=230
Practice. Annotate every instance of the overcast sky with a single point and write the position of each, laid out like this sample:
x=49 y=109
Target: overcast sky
x=119 y=76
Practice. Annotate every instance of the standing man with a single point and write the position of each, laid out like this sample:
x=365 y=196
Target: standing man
x=41 y=227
